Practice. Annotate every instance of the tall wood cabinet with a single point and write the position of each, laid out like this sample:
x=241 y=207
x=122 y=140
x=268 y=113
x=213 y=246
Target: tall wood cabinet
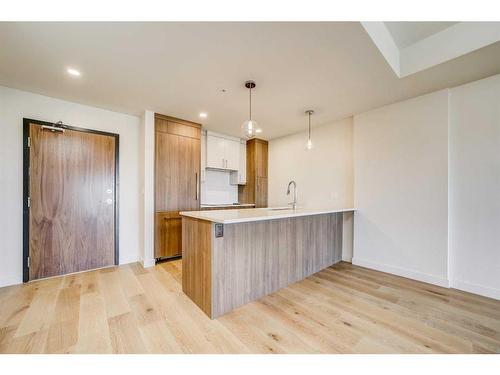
x=255 y=190
x=177 y=180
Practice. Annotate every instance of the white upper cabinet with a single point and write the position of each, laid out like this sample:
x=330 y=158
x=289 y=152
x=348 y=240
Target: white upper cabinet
x=203 y=155
x=242 y=175
x=232 y=154
x=216 y=157
x=239 y=177
x=223 y=152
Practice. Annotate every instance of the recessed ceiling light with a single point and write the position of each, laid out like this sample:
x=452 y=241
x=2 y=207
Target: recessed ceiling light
x=203 y=115
x=73 y=72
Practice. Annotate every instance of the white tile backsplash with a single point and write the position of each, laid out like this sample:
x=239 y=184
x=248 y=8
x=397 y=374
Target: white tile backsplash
x=216 y=188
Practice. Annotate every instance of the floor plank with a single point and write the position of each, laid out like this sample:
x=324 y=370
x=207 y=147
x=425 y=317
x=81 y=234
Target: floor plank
x=342 y=309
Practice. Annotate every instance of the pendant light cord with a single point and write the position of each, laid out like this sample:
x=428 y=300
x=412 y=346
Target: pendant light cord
x=309 y=125
x=250 y=104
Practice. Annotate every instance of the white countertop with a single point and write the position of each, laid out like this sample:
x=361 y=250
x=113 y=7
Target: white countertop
x=257 y=214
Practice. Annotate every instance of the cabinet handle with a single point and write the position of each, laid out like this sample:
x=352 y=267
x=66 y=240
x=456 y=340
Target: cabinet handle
x=222 y=162
x=196 y=187
x=226 y=163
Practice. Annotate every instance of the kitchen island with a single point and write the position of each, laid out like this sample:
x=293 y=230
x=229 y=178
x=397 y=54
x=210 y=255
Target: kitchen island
x=232 y=257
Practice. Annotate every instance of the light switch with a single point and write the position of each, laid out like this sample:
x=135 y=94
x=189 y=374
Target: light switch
x=219 y=230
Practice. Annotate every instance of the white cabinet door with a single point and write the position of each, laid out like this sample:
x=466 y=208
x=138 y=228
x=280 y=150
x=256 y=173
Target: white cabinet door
x=239 y=177
x=203 y=156
x=232 y=154
x=242 y=171
x=216 y=152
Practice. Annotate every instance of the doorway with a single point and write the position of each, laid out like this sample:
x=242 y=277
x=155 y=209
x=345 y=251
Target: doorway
x=70 y=207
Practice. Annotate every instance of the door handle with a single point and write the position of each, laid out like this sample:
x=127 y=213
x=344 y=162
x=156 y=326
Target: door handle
x=196 y=187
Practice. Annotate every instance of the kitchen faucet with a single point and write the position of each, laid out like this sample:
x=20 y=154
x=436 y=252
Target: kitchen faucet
x=294 y=203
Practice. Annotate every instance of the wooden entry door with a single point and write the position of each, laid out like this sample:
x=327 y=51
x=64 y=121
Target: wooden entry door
x=72 y=200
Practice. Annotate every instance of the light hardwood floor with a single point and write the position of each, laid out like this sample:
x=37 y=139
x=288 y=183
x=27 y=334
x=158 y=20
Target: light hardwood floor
x=343 y=309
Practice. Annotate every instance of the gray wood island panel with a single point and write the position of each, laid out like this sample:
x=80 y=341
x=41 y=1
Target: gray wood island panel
x=254 y=258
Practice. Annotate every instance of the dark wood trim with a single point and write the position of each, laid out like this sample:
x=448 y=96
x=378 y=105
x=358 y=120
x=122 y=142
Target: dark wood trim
x=26 y=166
x=178 y=120
x=117 y=195
x=26 y=211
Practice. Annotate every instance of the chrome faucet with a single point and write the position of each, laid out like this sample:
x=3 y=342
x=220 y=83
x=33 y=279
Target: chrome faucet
x=294 y=203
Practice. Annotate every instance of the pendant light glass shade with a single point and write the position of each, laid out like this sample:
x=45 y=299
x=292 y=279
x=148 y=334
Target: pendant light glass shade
x=250 y=127
x=309 y=144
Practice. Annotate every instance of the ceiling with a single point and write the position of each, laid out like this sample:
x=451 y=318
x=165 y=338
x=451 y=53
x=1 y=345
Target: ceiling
x=179 y=69
x=408 y=33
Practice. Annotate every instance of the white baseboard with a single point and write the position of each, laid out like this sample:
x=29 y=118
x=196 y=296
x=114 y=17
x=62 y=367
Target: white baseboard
x=415 y=275
x=146 y=263
x=8 y=281
x=346 y=259
x=128 y=261
x=482 y=290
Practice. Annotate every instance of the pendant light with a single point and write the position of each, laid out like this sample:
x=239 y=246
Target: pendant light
x=309 y=144
x=250 y=127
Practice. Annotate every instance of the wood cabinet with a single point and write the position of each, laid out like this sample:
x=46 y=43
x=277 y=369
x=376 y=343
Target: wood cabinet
x=255 y=189
x=261 y=192
x=223 y=152
x=168 y=234
x=177 y=180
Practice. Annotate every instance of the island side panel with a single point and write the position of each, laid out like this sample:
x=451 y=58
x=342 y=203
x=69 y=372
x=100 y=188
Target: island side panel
x=197 y=262
x=254 y=259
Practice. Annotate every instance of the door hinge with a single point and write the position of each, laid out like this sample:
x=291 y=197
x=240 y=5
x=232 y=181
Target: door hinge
x=28 y=262
x=29 y=141
x=29 y=201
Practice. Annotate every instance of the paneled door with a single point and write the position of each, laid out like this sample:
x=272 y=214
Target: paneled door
x=72 y=200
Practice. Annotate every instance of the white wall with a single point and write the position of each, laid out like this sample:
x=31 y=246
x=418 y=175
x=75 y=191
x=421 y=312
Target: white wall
x=475 y=187
x=217 y=189
x=147 y=180
x=324 y=175
x=401 y=188
x=14 y=105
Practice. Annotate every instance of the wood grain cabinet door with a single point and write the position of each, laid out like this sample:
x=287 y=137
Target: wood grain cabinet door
x=72 y=201
x=261 y=192
x=261 y=156
x=168 y=239
x=255 y=189
x=177 y=180
x=177 y=172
